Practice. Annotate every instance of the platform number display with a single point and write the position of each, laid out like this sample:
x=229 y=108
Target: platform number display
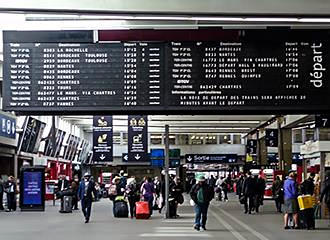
x=251 y=146
x=322 y=121
x=271 y=137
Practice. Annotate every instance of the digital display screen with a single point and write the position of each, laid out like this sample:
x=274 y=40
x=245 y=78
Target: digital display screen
x=32 y=192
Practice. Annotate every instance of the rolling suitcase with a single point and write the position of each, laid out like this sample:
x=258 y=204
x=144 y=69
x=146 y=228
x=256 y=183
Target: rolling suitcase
x=142 y=210
x=66 y=204
x=172 y=206
x=121 y=209
x=307 y=219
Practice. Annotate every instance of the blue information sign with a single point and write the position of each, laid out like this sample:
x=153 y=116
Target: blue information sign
x=8 y=126
x=32 y=188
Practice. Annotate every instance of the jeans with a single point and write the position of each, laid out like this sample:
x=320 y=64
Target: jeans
x=11 y=201
x=150 y=200
x=278 y=205
x=201 y=214
x=86 y=205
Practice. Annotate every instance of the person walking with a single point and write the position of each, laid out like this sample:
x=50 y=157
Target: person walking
x=147 y=190
x=2 y=190
x=219 y=183
x=176 y=191
x=277 y=190
x=260 y=192
x=239 y=185
x=202 y=194
x=74 y=187
x=249 y=192
x=115 y=191
x=325 y=193
x=85 y=194
x=290 y=199
x=11 y=194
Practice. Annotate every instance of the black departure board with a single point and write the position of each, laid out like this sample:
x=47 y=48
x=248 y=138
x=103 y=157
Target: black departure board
x=73 y=71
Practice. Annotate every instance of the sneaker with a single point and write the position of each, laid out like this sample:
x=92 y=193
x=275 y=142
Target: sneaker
x=196 y=228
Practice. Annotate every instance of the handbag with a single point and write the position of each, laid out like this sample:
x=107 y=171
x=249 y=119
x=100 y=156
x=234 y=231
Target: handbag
x=180 y=199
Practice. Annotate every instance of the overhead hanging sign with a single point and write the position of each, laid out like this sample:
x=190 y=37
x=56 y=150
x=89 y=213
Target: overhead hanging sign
x=271 y=137
x=137 y=138
x=146 y=71
x=211 y=158
x=251 y=146
x=102 y=139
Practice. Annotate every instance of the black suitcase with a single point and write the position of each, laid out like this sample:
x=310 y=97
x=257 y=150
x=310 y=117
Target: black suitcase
x=121 y=209
x=66 y=204
x=306 y=218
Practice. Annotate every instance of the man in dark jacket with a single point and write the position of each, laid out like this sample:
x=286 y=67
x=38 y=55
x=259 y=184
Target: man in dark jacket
x=278 y=195
x=2 y=190
x=307 y=187
x=239 y=185
x=176 y=190
x=85 y=194
x=325 y=193
x=201 y=193
x=260 y=192
x=249 y=192
x=10 y=187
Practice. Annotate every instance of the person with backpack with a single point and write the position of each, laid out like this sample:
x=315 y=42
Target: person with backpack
x=132 y=194
x=325 y=193
x=202 y=194
x=115 y=191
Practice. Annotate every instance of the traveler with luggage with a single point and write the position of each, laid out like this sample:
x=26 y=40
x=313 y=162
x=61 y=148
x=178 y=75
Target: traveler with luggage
x=2 y=190
x=249 y=193
x=147 y=190
x=202 y=194
x=325 y=193
x=116 y=193
x=10 y=187
x=278 y=195
x=62 y=186
x=86 y=191
x=132 y=194
x=290 y=200
x=176 y=191
x=260 y=192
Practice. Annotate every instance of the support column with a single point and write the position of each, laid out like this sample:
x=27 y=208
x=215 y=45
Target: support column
x=285 y=149
x=262 y=151
x=167 y=165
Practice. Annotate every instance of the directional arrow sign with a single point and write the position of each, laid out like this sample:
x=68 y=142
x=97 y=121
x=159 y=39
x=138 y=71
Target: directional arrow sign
x=126 y=157
x=137 y=157
x=189 y=159
x=102 y=157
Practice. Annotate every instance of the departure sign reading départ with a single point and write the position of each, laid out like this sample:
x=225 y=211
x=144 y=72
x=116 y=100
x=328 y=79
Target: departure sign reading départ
x=173 y=75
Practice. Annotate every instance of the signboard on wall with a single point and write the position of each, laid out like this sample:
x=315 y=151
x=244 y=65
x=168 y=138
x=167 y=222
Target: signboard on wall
x=102 y=139
x=137 y=138
x=145 y=71
x=211 y=158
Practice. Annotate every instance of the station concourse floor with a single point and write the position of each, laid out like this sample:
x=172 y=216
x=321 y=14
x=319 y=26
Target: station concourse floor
x=226 y=221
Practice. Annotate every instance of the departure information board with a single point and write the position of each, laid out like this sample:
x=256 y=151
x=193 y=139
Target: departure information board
x=74 y=71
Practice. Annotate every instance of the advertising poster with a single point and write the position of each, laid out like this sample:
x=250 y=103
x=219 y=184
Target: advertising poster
x=137 y=138
x=32 y=188
x=102 y=139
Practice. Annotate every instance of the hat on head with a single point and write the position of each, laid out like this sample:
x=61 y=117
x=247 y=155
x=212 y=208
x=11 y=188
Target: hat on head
x=116 y=178
x=87 y=174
